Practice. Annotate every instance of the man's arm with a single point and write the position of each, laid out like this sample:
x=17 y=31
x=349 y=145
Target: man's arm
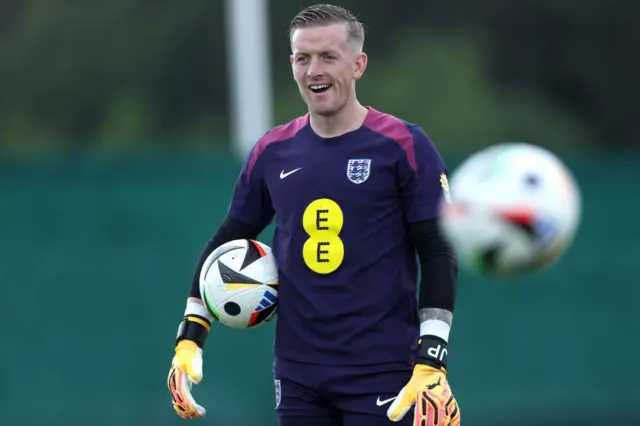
x=423 y=185
x=422 y=179
x=435 y=314
x=249 y=212
x=428 y=389
x=422 y=175
x=229 y=230
x=438 y=285
x=248 y=215
x=197 y=319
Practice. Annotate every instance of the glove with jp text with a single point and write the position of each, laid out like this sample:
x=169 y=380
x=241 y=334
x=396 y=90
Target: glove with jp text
x=428 y=389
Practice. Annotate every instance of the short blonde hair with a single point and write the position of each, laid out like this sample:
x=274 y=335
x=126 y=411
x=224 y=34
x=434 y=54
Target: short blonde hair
x=327 y=14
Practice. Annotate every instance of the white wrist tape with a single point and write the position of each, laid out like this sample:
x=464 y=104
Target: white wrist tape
x=194 y=308
x=435 y=328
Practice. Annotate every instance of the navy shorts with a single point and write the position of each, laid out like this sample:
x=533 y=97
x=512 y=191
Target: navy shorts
x=319 y=395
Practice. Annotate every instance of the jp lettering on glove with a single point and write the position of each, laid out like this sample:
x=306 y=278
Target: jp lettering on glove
x=428 y=389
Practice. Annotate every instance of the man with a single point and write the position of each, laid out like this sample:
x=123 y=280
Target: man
x=355 y=195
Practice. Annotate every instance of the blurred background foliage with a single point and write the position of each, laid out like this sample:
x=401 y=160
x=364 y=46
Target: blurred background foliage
x=119 y=75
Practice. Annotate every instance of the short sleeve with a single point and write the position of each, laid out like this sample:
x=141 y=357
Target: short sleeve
x=251 y=202
x=423 y=178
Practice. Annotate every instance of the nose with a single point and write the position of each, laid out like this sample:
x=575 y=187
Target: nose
x=315 y=69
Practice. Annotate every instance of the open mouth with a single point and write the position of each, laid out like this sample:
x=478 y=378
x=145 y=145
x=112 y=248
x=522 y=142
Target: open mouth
x=319 y=88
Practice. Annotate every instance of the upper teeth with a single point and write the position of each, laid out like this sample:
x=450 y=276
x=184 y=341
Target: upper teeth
x=319 y=86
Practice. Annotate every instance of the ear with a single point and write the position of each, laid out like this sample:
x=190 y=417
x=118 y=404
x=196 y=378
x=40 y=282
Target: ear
x=291 y=59
x=361 y=65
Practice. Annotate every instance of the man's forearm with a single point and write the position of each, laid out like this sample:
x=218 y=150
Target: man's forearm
x=197 y=318
x=229 y=230
x=438 y=284
x=439 y=267
x=436 y=322
x=438 y=314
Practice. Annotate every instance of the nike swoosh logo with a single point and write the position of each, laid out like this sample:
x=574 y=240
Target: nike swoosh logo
x=381 y=403
x=284 y=175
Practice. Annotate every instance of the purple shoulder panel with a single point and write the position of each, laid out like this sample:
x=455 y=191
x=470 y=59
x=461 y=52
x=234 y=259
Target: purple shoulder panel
x=277 y=134
x=395 y=129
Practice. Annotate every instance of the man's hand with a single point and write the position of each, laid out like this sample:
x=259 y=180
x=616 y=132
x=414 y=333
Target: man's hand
x=434 y=403
x=428 y=388
x=186 y=370
x=186 y=366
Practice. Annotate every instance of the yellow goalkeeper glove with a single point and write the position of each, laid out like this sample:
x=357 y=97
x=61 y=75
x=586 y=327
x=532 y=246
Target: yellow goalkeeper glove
x=428 y=389
x=186 y=366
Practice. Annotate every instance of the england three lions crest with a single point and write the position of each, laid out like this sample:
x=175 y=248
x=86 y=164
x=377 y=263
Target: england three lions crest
x=358 y=170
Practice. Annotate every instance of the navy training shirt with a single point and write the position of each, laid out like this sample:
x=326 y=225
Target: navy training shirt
x=348 y=271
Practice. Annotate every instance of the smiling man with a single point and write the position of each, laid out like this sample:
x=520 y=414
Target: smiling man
x=355 y=195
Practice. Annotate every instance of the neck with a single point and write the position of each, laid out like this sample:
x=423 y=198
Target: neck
x=346 y=120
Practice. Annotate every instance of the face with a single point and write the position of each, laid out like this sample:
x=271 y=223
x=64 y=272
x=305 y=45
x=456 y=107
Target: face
x=326 y=67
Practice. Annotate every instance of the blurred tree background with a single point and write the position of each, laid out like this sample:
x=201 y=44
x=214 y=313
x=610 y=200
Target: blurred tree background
x=121 y=74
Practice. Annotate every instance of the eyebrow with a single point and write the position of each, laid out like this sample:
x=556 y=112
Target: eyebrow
x=323 y=52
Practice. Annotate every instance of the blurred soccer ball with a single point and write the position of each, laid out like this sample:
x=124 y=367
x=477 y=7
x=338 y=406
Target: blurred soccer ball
x=238 y=284
x=514 y=208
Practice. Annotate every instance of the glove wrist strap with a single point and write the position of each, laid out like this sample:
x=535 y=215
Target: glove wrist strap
x=193 y=328
x=195 y=325
x=433 y=351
